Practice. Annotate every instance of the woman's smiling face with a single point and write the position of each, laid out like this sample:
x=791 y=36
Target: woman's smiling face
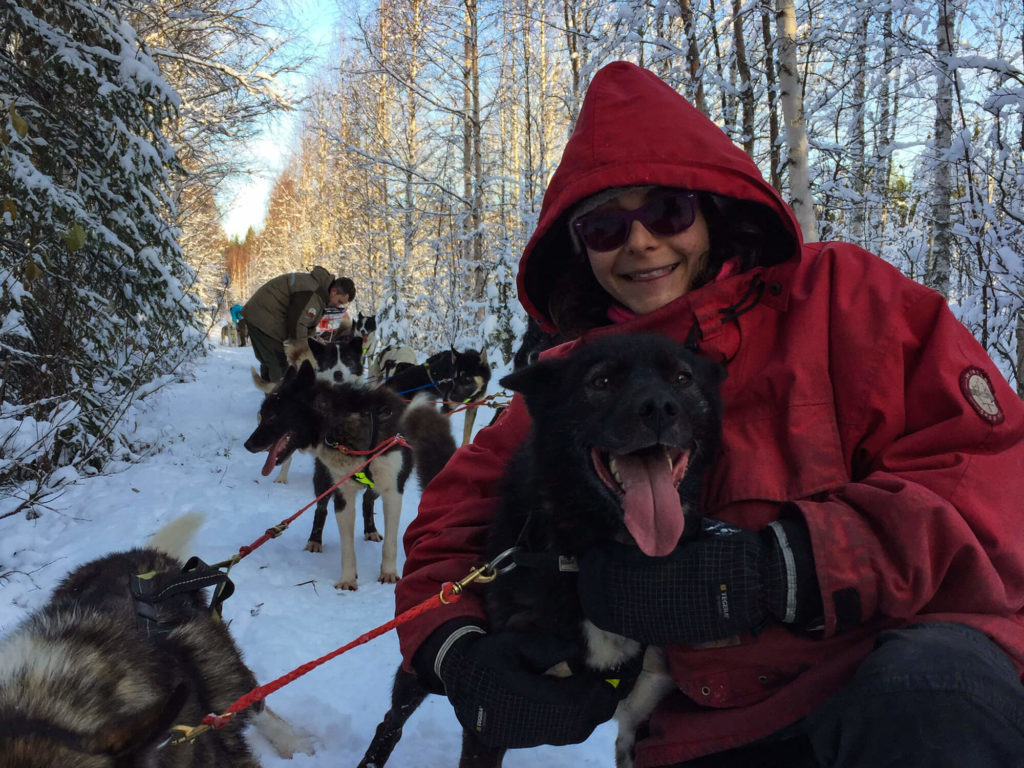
x=648 y=270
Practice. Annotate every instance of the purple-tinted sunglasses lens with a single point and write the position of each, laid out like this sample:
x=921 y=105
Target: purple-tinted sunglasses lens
x=666 y=214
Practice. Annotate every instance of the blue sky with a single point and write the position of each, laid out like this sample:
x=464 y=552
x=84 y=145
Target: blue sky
x=315 y=25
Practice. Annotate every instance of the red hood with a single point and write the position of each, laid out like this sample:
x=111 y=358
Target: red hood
x=620 y=139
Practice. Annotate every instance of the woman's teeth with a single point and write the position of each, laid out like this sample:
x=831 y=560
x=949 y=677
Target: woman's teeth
x=650 y=274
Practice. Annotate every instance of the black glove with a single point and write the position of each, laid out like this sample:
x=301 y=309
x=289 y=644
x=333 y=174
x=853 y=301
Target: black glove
x=725 y=582
x=497 y=685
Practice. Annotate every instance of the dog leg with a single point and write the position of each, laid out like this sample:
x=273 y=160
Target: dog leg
x=283 y=737
x=346 y=519
x=652 y=685
x=385 y=472
x=321 y=482
x=406 y=695
x=476 y=754
x=389 y=551
x=467 y=425
x=370 y=532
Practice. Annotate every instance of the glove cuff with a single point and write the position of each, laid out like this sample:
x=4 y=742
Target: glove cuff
x=428 y=659
x=790 y=579
x=448 y=645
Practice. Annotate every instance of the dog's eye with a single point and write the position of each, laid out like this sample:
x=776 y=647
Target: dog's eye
x=683 y=378
x=600 y=382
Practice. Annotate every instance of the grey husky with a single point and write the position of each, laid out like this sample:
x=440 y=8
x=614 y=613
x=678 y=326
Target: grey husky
x=99 y=675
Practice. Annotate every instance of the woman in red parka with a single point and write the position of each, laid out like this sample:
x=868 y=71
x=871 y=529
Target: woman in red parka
x=867 y=439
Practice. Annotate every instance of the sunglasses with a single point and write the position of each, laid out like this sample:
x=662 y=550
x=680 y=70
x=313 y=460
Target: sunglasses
x=666 y=213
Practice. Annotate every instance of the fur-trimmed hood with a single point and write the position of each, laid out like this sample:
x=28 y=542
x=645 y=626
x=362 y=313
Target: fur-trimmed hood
x=633 y=129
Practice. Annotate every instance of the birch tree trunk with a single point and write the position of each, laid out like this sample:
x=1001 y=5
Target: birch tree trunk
x=472 y=156
x=937 y=275
x=746 y=87
x=693 y=63
x=859 y=171
x=793 y=114
x=772 y=91
x=882 y=172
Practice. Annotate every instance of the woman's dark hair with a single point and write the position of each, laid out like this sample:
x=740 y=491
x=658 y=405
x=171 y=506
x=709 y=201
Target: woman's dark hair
x=743 y=229
x=576 y=302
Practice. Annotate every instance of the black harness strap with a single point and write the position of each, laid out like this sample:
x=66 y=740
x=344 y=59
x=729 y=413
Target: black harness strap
x=149 y=590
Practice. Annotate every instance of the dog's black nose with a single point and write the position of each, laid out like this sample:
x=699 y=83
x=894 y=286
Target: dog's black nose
x=658 y=412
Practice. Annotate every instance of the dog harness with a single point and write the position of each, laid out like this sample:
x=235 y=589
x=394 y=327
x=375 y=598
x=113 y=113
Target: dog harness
x=171 y=590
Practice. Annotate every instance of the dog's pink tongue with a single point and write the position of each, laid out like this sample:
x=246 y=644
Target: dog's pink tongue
x=654 y=515
x=271 y=462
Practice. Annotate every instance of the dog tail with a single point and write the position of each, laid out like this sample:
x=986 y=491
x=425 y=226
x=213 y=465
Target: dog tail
x=175 y=538
x=262 y=384
x=430 y=435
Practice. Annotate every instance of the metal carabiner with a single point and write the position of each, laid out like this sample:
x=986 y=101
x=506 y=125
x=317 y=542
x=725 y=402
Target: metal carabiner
x=484 y=574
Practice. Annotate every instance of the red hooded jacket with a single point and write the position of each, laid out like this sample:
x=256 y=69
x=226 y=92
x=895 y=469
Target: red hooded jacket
x=852 y=392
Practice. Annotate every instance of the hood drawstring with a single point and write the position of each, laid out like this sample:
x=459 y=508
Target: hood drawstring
x=749 y=300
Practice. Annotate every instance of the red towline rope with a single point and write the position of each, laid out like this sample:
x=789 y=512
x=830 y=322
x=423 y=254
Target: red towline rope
x=448 y=594
x=277 y=530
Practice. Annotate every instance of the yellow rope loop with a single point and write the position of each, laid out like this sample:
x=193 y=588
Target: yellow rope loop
x=186 y=733
x=274 y=531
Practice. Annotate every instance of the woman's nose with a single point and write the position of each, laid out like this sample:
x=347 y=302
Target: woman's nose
x=640 y=236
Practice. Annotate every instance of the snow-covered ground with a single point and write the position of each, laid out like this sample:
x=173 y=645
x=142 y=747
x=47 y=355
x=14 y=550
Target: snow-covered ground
x=285 y=610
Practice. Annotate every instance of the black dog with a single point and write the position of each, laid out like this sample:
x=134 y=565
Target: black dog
x=454 y=377
x=365 y=327
x=622 y=432
x=534 y=342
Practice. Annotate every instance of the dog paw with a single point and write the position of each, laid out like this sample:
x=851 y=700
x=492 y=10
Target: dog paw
x=314 y=546
x=373 y=536
x=389 y=577
x=349 y=584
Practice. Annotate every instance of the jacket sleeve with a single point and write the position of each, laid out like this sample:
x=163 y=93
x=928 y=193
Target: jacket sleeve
x=930 y=524
x=308 y=316
x=449 y=533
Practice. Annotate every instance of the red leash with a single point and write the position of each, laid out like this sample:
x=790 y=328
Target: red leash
x=450 y=593
x=446 y=595
x=277 y=530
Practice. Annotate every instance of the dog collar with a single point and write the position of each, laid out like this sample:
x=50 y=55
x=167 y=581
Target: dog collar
x=549 y=561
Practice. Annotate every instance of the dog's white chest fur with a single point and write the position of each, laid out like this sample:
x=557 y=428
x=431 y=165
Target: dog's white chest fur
x=606 y=650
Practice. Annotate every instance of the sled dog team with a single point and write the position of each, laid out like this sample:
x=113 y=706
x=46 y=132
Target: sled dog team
x=809 y=560
x=180 y=663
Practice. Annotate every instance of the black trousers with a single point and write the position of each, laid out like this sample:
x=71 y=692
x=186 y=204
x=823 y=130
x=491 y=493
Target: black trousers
x=270 y=353
x=936 y=695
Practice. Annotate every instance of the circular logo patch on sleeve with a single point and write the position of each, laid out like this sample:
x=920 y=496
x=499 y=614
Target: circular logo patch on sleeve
x=977 y=388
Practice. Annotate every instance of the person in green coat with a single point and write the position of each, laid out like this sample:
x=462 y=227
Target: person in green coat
x=288 y=308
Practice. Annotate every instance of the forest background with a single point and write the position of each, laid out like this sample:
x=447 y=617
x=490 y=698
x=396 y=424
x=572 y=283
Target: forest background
x=424 y=151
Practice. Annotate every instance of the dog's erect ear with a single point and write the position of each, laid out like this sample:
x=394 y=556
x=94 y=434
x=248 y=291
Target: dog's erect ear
x=315 y=346
x=708 y=370
x=355 y=344
x=534 y=381
x=305 y=376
